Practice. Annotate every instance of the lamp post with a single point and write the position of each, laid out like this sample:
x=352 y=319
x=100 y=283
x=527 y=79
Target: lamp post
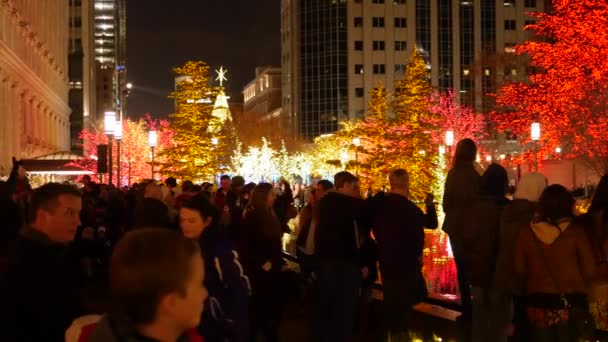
x=357 y=143
x=535 y=135
x=109 y=127
x=449 y=142
x=118 y=137
x=152 y=141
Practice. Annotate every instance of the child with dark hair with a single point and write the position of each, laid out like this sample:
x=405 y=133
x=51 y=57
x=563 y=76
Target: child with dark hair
x=157 y=284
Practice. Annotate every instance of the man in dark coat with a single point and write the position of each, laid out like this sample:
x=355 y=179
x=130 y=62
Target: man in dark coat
x=343 y=226
x=398 y=226
x=40 y=290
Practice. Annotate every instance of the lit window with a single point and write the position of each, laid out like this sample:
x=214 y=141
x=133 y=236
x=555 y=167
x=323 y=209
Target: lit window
x=487 y=72
x=358 y=68
x=510 y=47
x=513 y=72
x=465 y=72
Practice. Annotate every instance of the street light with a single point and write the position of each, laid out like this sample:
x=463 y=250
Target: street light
x=152 y=141
x=109 y=128
x=449 y=142
x=535 y=135
x=118 y=137
x=129 y=85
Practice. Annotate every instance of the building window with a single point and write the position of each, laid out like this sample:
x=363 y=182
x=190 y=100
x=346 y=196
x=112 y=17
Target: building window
x=529 y=22
x=358 y=68
x=358 y=22
x=510 y=25
x=400 y=45
x=400 y=22
x=358 y=92
x=358 y=45
x=400 y=68
x=530 y=4
x=378 y=21
x=377 y=1
x=510 y=47
x=379 y=69
x=358 y=1
x=378 y=45
x=399 y=2
x=509 y=3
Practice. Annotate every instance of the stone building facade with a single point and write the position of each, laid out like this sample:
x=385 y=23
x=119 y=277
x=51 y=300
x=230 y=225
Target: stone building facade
x=34 y=111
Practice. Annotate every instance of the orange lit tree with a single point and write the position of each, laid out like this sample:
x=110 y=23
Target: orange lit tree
x=134 y=151
x=568 y=91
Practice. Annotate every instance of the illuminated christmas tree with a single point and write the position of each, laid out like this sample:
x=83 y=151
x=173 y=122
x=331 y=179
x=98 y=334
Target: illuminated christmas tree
x=203 y=145
x=418 y=124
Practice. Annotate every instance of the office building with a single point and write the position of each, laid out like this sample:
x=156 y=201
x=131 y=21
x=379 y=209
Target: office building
x=82 y=69
x=335 y=52
x=34 y=111
x=263 y=94
x=110 y=56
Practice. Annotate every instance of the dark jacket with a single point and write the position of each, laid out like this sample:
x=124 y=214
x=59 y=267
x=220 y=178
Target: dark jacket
x=515 y=215
x=480 y=238
x=342 y=219
x=118 y=329
x=40 y=290
x=260 y=242
x=152 y=213
x=461 y=187
x=398 y=226
x=226 y=310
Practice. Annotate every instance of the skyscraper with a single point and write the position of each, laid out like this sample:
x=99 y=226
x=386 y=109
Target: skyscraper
x=110 y=55
x=82 y=70
x=335 y=52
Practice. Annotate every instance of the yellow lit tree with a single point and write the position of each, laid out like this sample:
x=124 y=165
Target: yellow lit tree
x=412 y=112
x=203 y=145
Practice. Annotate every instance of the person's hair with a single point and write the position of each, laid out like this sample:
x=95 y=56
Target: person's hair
x=495 y=181
x=171 y=182
x=342 y=178
x=207 y=186
x=46 y=197
x=325 y=184
x=197 y=188
x=202 y=204
x=466 y=152
x=259 y=197
x=555 y=203
x=187 y=186
x=600 y=198
x=225 y=177
x=399 y=179
x=146 y=265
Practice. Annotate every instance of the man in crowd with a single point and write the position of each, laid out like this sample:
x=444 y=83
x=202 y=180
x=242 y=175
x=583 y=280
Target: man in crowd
x=399 y=230
x=221 y=195
x=156 y=279
x=342 y=226
x=40 y=289
x=152 y=211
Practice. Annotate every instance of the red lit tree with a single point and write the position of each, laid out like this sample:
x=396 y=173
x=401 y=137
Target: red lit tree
x=135 y=151
x=451 y=115
x=568 y=94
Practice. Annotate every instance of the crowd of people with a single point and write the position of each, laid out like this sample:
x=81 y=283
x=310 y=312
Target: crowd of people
x=168 y=262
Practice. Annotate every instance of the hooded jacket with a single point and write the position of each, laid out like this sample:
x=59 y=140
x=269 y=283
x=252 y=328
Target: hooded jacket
x=563 y=248
x=515 y=216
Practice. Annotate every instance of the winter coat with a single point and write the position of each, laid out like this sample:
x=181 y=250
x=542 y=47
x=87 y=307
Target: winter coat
x=260 y=243
x=566 y=252
x=341 y=220
x=114 y=328
x=398 y=225
x=515 y=216
x=40 y=290
x=226 y=310
x=461 y=188
x=480 y=238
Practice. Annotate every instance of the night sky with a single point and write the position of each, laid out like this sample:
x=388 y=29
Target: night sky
x=238 y=34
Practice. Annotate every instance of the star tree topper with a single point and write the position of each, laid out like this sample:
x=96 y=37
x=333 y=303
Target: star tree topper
x=221 y=75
